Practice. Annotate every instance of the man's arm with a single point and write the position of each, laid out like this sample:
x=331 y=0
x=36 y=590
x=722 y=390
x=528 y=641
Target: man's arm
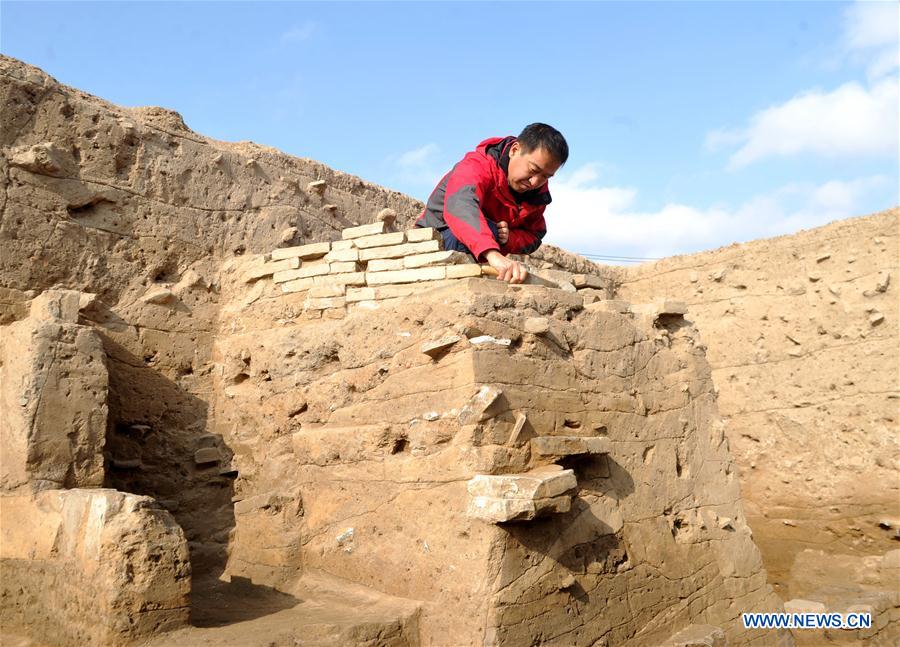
x=528 y=236
x=466 y=187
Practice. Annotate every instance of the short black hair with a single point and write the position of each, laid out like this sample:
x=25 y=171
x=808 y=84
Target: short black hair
x=539 y=135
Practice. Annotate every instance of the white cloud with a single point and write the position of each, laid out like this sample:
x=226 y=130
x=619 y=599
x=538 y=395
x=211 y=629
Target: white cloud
x=851 y=120
x=420 y=166
x=298 y=33
x=872 y=31
x=590 y=218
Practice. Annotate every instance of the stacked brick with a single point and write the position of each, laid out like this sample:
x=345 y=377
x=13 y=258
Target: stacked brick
x=372 y=263
x=368 y=263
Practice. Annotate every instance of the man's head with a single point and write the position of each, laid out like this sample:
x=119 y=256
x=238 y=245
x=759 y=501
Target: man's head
x=537 y=154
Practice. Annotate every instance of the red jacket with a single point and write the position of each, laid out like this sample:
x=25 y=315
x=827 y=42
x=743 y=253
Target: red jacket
x=476 y=190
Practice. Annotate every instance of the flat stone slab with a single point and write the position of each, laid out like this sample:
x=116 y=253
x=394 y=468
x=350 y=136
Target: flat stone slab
x=569 y=445
x=539 y=483
x=503 y=510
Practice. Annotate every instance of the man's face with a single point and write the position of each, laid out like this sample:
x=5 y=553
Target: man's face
x=530 y=170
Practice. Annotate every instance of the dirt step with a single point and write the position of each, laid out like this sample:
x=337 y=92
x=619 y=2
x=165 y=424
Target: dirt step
x=320 y=610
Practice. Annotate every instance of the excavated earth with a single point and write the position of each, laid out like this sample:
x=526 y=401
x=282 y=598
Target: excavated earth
x=244 y=404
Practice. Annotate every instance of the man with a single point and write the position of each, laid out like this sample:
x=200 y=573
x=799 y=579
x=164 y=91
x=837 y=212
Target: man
x=492 y=202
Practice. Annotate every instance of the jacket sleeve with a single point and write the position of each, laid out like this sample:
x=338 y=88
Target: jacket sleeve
x=527 y=237
x=466 y=187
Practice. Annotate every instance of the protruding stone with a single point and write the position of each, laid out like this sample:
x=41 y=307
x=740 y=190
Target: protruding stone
x=876 y=318
x=288 y=234
x=515 y=436
x=387 y=216
x=539 y=483
x=316 y=186
x=482 y=406
x=588 y=281
x=437 y=348
x=504 y=510
x=160 y=296
x=537 y=325
x=43 y=159
x=569 y=445
x=206 y=456
x=609 y=305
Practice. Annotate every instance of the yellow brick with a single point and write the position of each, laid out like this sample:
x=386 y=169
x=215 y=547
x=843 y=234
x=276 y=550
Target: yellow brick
x=313 y=250
x=302 y=273
x=342 y=255
x=342 y=268
x=340 y=245
x=385 y=264
x=419 y=234
x=380 y=240
x=350 y=278
x=398 y=251
x=268 y=269
x=463 y=271
x=364 y=230
x=406 y=276
x=443 y=257
x=297 y=285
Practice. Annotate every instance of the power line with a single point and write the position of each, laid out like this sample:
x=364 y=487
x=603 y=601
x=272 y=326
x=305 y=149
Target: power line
x=610 y=257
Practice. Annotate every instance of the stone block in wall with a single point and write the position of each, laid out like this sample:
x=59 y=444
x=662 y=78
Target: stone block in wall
x=347 y=278
x=398 y=251
x=443 y=257
x=364 y=230
x=420 y=234
x=385 y=265
x=342 y=255
x=53 y=390
x=343 y=267
x=303 y=272
x=380 y=240
x=463 y=271
x=406 y=276
x=569 y=445
x=312 y=250
x=91 y=567
x=268 y=269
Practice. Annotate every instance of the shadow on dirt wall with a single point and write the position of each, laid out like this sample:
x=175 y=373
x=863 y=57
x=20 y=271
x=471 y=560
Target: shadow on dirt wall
x=155 y=431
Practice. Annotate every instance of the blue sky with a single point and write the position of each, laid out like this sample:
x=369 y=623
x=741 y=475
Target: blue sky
x=691 y=125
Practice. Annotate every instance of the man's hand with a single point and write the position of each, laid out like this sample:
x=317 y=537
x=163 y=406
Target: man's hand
x=507 y=270
x=502 y=232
